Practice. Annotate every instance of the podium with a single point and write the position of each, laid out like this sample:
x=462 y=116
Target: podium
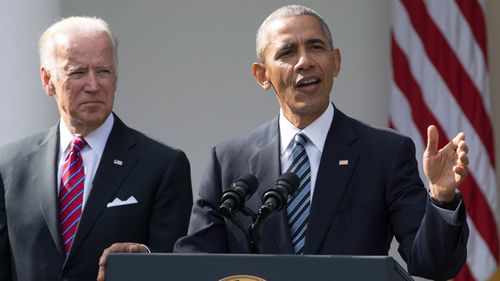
x=236 y=267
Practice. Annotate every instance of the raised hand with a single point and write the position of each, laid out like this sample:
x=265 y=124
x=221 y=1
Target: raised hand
x=445 y=168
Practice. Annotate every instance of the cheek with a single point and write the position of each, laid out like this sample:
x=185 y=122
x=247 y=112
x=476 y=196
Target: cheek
x=280 y=78
x=63 y=95
x=69 y=88
x=111 y=99
x=110 y=92
x=109 y=87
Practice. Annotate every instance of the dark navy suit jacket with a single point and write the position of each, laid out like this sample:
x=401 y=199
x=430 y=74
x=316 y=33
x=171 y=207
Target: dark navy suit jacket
x=356 y=208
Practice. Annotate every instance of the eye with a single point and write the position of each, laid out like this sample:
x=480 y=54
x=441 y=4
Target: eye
x=104 y=72
x=76 y=73
x=317 y=47
x=285 y=52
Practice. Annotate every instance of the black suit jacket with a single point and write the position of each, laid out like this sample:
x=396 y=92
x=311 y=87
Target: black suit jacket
x=356 y=208
x=30 y=245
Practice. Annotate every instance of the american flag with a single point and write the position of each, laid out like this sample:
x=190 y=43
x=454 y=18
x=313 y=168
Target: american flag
x=440 y=76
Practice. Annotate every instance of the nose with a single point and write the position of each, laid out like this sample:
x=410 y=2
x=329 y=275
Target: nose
x=92 y=83
x=305 y=62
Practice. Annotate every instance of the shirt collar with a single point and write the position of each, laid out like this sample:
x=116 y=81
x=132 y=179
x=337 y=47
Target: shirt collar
x=316 y=132
x=96 y=139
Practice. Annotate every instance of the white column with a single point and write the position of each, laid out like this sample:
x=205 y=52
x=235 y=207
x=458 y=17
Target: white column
x=24 y=106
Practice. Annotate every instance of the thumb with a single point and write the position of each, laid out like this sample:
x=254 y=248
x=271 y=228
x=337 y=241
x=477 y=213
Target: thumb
x=432 y=140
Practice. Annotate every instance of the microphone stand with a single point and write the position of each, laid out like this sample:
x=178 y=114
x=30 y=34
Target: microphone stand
x=250 y=234
x=274 y=200
x=254 y=229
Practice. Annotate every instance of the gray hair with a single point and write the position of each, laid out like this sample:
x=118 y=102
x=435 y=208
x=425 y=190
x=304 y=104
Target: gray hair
x=47 y=45
x=285 y=12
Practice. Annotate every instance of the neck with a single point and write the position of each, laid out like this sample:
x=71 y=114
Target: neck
x=80 y=129
x=302 y=120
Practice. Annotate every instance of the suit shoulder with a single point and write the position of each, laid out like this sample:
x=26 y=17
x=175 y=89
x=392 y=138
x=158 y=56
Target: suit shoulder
x=22 y=146
x=384 y=145
x=29 y=140
x=249 y=142
x=153 y=145
x=376 y=133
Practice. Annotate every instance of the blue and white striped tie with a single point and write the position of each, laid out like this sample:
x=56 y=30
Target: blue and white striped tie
x=299 y=205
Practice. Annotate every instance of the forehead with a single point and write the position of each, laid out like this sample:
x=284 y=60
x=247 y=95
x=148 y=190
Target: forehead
x=85 y=47
x=295 y=28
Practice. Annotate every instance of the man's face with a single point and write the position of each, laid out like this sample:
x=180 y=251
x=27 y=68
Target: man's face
x=299 y=63
x=85 y=81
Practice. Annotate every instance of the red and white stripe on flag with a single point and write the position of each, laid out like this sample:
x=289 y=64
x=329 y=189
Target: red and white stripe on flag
x=440 y=76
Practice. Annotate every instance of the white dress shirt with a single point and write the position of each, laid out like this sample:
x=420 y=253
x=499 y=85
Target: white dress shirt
x=91 y=153
x=316 y=134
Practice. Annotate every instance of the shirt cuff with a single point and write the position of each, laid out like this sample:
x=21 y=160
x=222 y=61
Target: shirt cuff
x=450 y=216
x=149 y=251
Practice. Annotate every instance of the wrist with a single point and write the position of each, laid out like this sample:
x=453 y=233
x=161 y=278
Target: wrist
x=441 y=194
x=448 y=205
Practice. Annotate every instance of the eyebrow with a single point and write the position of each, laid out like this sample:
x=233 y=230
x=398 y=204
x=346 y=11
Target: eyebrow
x=286 y=46
x=315 y=40
x=311 y=41
x=73 y=67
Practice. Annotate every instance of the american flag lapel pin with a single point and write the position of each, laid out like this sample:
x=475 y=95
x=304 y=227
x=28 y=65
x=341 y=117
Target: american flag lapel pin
x=118 y=162
x=343 y=162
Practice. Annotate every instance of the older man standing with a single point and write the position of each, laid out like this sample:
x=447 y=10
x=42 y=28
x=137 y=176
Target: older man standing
x=90 y=181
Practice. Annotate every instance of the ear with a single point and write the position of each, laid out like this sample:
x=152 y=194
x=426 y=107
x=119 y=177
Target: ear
x=336 y=60
x=47 y=84
x=259 y=73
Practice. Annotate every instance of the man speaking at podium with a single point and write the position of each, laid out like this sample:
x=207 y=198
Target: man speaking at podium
x=359 y=185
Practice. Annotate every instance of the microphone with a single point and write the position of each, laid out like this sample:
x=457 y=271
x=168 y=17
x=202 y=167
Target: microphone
x=234 y=197
x=275 y=198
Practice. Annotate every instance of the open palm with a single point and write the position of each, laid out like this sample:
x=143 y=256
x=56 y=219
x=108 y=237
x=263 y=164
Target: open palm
x=445 y=168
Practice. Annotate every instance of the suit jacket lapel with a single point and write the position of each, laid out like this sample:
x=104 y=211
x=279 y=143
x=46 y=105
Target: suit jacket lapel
x=107 y=179
x=43 y=175
x=332 y=180
x=265 y=165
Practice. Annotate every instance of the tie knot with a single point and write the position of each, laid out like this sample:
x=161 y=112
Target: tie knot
x=300 y=138
x=78 y=144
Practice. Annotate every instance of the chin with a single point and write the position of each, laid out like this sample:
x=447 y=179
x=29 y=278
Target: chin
x=310 y=107
x=95 y=118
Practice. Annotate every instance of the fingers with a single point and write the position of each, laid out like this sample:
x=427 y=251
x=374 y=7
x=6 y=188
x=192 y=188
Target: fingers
x=103 y=261
x=117 y=248
x=138 y=248
x=100 y=274
x=432 y=140
x=460 y=170
x=462 y=150
x=102 y=266
x=463 y=158
x=460 y=173
x=458 y=138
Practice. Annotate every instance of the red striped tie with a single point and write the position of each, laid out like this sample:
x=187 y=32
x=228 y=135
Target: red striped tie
x=71 y=193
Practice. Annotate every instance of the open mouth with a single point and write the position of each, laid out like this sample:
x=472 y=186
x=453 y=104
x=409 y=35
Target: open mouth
x=307 y=82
